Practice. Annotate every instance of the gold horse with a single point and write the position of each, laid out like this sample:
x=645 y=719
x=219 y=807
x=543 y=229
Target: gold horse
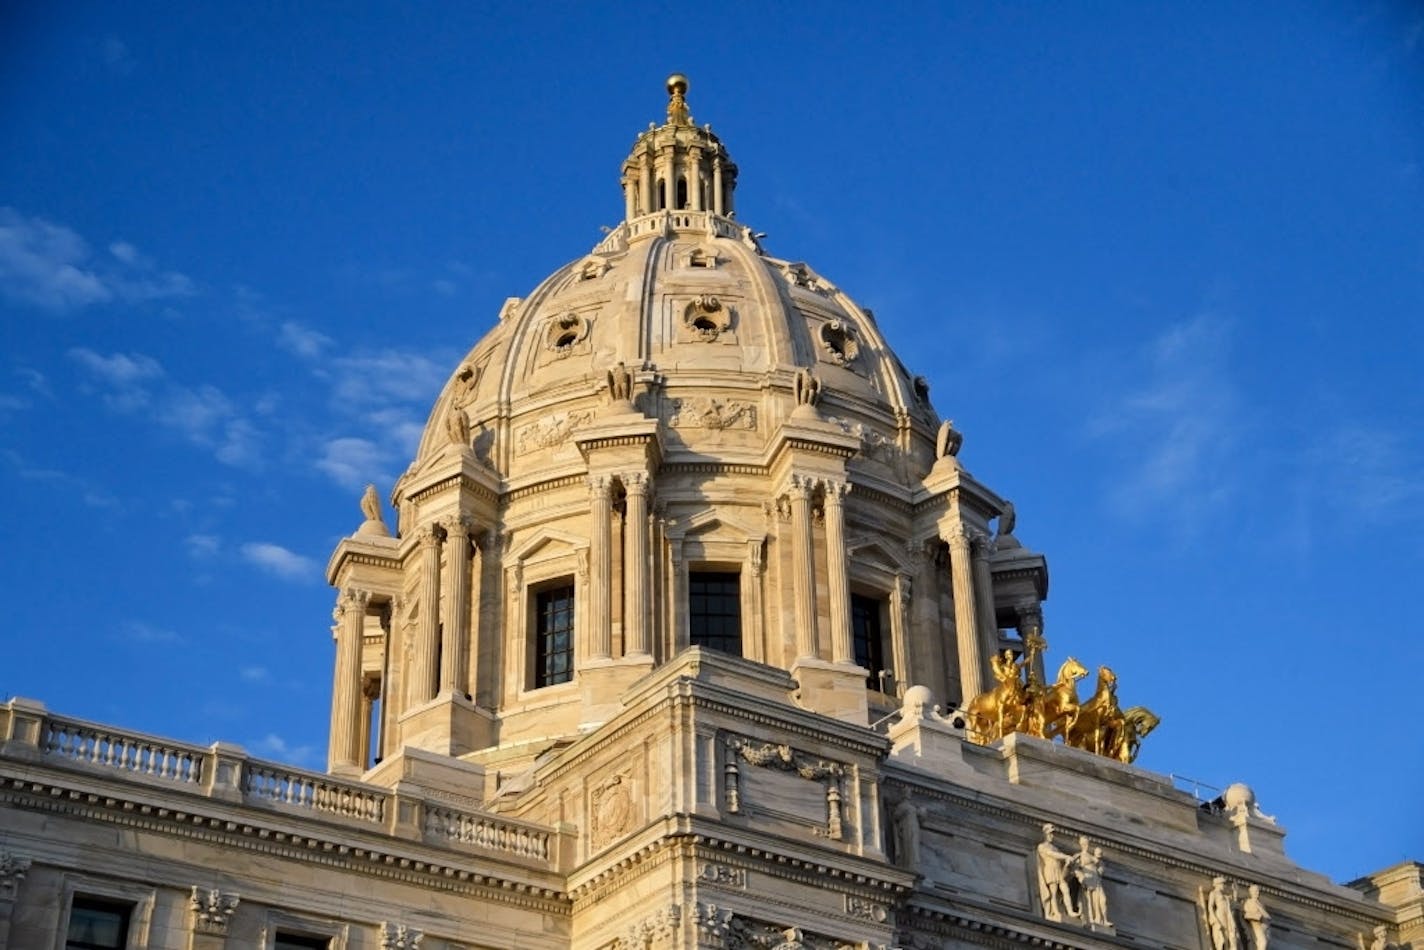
x=1126 y=737
x=1097 y=717
x=1055 y=708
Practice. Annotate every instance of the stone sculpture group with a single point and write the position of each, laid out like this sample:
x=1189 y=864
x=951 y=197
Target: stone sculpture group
x=1061 y=873
x=1233 y=925
x=1021 y=702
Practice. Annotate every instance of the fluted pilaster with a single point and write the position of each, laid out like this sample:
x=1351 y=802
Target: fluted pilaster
x=635 y=565
x=842 y=649
x=600 y=614
x=803 y=566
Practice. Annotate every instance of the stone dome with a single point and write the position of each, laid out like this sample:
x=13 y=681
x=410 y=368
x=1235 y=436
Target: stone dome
x=676 y=441
x=712 y=330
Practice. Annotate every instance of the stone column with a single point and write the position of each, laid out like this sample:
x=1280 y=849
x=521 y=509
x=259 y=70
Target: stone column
x=899 y=632
x=842 y=649
x=455 y=628
x=646 y=168
x=424 y=672
x=635 y=566
x=980 y=547
x=347 y=727
x=629 y=200
x=803 y=566
x=694 y=178
x=966 y=616
x=600 y=569
x=717 y=185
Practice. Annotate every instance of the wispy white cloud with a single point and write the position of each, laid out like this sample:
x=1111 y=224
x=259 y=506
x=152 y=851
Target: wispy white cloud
x=88 y=492
x=143 y=633
x=202 y=414
x=202 y=546
x=255 y=674
x=1173 y=425
x=352 y=462
x=278 y=561
x=52 y=267
x=302 y=340
x=1369 y=473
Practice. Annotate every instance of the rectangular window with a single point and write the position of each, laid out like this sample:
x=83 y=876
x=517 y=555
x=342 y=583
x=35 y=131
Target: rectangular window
x=865 y=636
x=287 y=941
x=714 y=611
x=97 y=924
x=554 y=635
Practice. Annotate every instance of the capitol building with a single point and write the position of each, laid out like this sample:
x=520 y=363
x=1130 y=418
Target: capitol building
x=692 y=629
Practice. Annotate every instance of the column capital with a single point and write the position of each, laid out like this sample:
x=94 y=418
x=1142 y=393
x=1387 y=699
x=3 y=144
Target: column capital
x=429 y=535
x=800 y=486
x=599 y=486
x=457 y=525
x=835 y=490
x=635 y=482
x=353 y=598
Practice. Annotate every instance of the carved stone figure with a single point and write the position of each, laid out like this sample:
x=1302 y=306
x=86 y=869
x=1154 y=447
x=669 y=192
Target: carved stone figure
x=457 y=426
x=1088 y=869
x=1054 y=896
x=1258 y=920
x=1380 y=941
x=948 y=441
x=1219 y=914
x=1008 y=520
x=906 y=818
x=375 y=523
x=808 y=388
x=212 y=910
x=620 y=384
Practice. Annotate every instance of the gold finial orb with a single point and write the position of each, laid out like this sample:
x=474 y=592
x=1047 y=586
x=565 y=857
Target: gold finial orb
x=677 y=102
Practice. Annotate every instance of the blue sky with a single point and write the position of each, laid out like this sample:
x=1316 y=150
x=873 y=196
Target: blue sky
x=1165 y=269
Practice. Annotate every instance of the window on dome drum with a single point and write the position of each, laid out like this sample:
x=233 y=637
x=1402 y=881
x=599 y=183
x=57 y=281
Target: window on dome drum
x=97 y=924
x=554 y=635
x=286 y=941
x=867 y=640
x=714 y=611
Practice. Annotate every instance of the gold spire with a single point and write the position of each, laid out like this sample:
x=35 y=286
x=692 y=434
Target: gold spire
x=677 y=102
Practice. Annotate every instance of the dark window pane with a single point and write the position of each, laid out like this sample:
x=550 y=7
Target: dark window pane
x=97 y=924
x=298 y=942
x=865 y=636
x=714 y=611
x=553 y=636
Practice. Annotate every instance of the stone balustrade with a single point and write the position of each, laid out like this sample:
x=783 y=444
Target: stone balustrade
x=31 y=734
x=313 y=791
x=659 y=221
x=123 y=751
x=444 y=825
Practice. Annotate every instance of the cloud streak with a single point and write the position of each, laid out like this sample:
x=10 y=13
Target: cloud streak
x=203 y=415
x=1175 y=427
x=51 y=267
x=278 y=561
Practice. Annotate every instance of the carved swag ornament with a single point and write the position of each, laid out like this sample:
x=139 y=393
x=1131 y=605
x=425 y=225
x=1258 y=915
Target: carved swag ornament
x=783 y=758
